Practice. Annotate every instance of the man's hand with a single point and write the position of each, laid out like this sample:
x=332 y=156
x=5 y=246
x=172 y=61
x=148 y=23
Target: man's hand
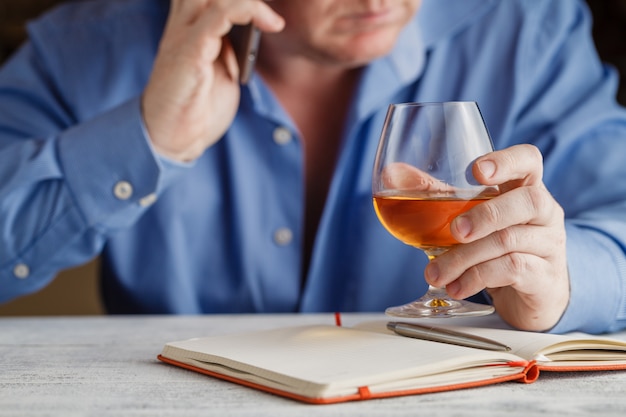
x=513 y=244
x=193 y=93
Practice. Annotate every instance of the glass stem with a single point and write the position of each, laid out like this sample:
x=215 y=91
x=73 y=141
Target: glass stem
x=439 y=296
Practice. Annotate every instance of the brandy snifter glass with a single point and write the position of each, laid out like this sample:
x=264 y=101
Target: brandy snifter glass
x=422 y=179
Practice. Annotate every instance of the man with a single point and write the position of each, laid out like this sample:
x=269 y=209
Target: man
x=124 y=131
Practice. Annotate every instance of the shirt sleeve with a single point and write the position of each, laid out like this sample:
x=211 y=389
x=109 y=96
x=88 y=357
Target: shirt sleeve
x=65 y=184
x=569 y=111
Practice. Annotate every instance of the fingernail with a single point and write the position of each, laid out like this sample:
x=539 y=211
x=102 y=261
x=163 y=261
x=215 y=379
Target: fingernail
x=463 y=225
x=487 y=168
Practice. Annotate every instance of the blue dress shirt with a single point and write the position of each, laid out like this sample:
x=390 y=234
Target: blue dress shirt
x=78 y=176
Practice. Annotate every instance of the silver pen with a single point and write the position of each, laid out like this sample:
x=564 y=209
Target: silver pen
x=436 y=334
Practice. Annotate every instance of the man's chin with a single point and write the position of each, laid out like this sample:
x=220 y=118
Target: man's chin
x=366 y=53
x=365 y=47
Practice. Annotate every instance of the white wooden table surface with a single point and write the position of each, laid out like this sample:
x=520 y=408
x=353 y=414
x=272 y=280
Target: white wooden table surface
x=107 y=366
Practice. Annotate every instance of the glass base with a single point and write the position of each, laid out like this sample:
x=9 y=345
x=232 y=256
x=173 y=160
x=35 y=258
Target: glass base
x=436 y=303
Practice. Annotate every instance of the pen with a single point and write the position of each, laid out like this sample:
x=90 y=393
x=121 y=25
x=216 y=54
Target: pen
x=435 y=334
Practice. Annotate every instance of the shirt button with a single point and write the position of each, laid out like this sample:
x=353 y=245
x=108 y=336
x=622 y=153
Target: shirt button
x=148 y=200
x=21 y=271
x=123 y=190
x=282 y=136
x=283 y=236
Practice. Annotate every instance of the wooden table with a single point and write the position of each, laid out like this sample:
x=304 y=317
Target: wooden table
x=106 y=366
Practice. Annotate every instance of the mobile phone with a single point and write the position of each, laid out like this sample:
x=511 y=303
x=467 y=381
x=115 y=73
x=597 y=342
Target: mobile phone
x=245 y=40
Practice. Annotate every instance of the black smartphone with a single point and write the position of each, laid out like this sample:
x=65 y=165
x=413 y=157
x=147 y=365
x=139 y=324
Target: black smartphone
x=245 y=40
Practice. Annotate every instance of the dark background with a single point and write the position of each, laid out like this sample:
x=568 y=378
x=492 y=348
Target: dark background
x=75 y=292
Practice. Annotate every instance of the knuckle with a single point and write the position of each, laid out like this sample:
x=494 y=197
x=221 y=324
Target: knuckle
x=517 y=265
x=537 y=198
x=478 y=277
x=490 y=212
x=506 y=239
x=543 y=204
x=474 y=280
x=455 y=259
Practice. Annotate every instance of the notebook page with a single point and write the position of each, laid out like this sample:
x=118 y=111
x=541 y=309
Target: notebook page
x=324 y=359
x=542 y=347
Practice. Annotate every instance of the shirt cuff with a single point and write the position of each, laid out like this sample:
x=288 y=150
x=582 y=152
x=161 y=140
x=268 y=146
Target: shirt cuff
x=110 y=168
x=597 y=267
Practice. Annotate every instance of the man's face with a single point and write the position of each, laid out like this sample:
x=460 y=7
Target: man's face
x=344 y=32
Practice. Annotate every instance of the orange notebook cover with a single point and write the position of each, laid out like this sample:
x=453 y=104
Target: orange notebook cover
x=323 y=364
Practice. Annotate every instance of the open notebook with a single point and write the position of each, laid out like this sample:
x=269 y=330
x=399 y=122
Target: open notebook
x=328 y=364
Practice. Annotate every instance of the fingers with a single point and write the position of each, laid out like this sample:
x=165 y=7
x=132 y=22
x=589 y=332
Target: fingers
x=512 y=167
x=193 y=91
x=531 y=205
x=197 y=27
x=511 y=270
x=511 y=257
x=216 y=17
x=513 y=244
x=526 y=274
x=265 y=18
x=507 y=239
x=524 y=200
